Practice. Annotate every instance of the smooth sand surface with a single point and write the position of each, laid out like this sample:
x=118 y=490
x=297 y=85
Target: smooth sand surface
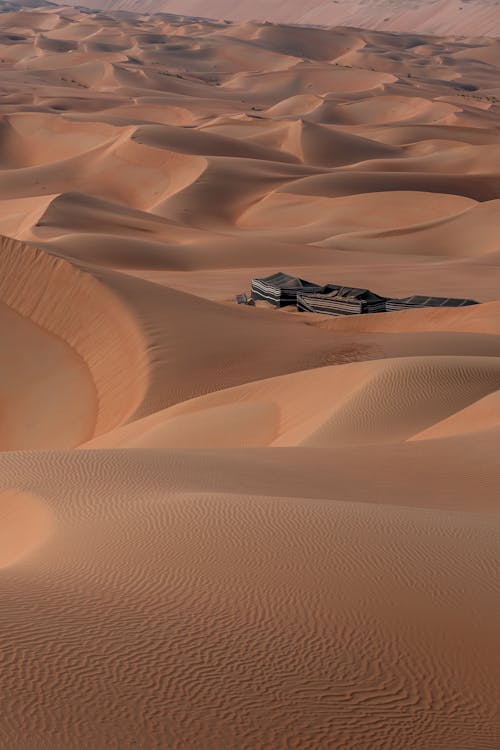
x=462 y=17
x=240 y=528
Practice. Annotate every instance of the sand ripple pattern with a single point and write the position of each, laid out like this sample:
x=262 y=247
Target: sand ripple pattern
x=209 y=620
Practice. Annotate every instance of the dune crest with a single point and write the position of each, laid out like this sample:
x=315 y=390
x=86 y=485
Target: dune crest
x=369 y=402
x=72 y=306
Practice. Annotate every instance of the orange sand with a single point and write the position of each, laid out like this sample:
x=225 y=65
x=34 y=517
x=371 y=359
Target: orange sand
x=462 y=17
x=236 y=528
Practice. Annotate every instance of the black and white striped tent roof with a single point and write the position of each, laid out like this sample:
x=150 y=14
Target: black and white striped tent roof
x=350 y=291
x=408 y=303
x=341 y=300
x=280 y=289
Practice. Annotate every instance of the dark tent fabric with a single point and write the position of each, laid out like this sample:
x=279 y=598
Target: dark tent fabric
x=409 y=303
x=280 y=289
x=341 y=300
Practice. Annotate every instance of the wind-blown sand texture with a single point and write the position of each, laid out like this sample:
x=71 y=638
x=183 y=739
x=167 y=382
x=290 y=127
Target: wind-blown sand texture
x=236 y=528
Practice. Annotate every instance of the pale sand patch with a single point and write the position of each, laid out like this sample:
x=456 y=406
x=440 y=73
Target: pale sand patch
x=25 y=525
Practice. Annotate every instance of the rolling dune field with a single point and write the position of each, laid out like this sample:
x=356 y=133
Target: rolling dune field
x=227 y=527
x=459 y=17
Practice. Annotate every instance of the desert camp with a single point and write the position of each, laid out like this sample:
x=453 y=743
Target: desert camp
x=282 y=290
x=341 y=300
x=409 y=303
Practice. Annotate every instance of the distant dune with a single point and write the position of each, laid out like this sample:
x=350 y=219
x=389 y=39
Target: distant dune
x=457 y=17
x=231 y=527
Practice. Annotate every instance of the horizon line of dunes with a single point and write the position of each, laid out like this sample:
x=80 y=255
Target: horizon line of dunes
x=443 y=17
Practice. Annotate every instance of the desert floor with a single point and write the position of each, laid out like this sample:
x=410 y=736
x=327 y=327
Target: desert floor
x=236 y=528
x=458 y=17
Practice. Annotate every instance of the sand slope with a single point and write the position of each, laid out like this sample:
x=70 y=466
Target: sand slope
x=238 y=527
x=478 y=17
x=265 y=623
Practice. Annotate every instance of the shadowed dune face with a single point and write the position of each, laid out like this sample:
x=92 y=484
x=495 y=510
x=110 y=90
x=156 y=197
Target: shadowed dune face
x=72 y=356
x=360 y=403
x=48 y=397
x=200 y=135
x=234 y=527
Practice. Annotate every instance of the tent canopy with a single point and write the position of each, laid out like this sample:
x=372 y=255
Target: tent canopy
x=333 y=290
x=280 y=289
x=422 y=301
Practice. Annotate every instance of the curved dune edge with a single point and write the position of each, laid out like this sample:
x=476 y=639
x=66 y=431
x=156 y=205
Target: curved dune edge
x=381 y=401
x=320 y=215
x=72 y=305
x=25 y=524
x=480 y=416
x=470 y=233
x=484 y=318
x=47 y=396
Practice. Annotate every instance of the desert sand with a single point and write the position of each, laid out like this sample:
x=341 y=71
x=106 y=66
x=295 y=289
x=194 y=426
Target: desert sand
x=241 y=528
x=458 y=17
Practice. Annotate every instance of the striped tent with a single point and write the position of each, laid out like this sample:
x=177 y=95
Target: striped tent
x=409 y=303
x=341 y=300
x=280 y=289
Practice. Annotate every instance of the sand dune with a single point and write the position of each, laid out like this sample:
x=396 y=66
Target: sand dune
x=68 y=315
x=471 y=232
x=317 y=642
x=481 y=415
x=240 y=527
x=475 y=17
x=355 y=403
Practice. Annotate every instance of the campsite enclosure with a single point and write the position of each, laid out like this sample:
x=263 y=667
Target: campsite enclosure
x=341 y=300
x=281 y=289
